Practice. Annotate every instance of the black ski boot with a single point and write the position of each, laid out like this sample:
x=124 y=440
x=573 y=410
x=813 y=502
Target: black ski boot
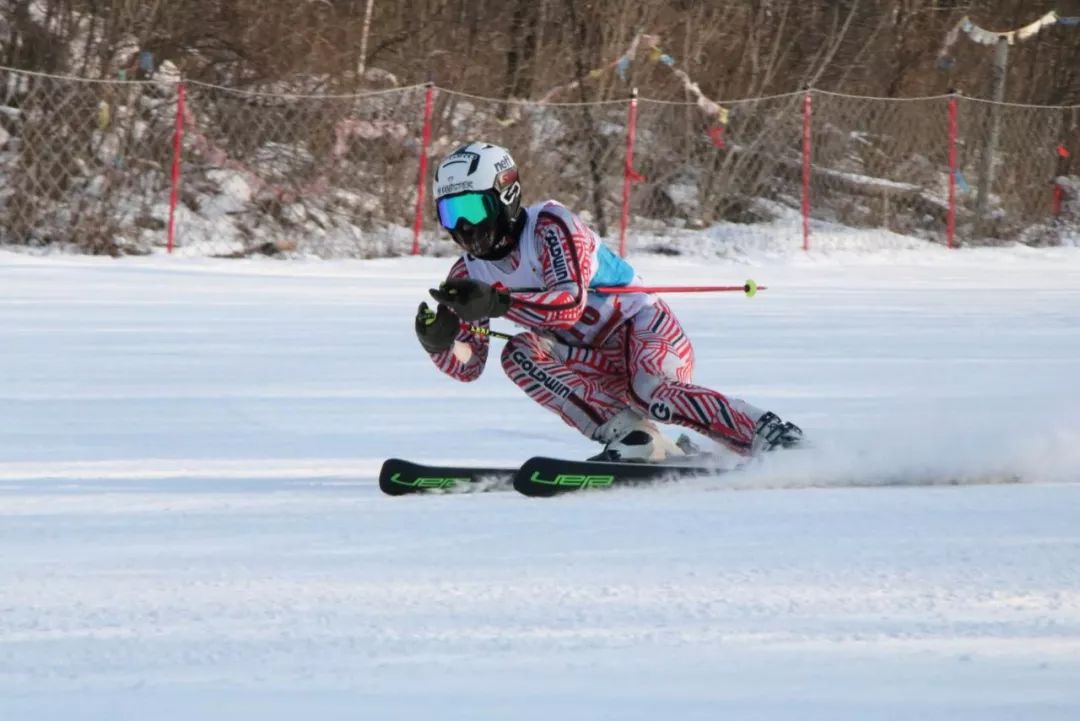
x=772 y=433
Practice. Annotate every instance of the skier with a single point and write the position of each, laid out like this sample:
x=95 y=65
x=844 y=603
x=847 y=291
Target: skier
x=609 y=365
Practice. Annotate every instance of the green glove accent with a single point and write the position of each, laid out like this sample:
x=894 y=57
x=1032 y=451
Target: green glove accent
x=436 y=331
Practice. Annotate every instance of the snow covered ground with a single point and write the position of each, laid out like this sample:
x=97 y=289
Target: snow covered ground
x=190 y=526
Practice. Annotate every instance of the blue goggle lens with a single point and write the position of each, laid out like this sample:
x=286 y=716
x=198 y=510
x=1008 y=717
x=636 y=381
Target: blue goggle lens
x=470 y=207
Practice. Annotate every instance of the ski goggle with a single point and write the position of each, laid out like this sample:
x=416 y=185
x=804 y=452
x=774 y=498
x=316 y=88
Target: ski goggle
x=471 y=207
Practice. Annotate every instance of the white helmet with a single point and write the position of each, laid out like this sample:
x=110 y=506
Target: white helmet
x=478 y=198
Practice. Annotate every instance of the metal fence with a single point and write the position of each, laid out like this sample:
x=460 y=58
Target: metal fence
x=137 y=167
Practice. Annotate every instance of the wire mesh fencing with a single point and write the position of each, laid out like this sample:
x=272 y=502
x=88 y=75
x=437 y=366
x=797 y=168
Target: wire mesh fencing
x=1009 y=169
x=699 y=173
x=325 y=175
x=137 y=167
x=881 y=164
x=82 y=163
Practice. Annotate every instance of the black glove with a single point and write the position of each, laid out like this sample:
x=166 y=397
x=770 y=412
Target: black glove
x=472 y=299
x=436 y=331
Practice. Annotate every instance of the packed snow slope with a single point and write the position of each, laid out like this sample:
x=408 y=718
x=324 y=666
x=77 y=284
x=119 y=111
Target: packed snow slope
x=191 y=526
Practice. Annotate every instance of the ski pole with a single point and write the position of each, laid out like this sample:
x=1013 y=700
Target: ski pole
x=749 y=287
x=481 y=330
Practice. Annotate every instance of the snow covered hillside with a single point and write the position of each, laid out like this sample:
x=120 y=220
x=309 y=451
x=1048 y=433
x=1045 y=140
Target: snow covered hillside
x=190 y=525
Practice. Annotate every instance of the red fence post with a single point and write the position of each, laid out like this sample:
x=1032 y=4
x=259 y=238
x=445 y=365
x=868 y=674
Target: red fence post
x=421 y=181
x=1062 y=169
x=629 y=174
x=178 y=138
x=950 y=224
x=806 y=172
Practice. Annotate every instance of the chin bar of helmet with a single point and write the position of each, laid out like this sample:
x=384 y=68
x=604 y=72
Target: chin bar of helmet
x=750 y=288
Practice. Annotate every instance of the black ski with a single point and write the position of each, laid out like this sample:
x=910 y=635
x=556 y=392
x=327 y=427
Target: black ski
x=545 y=477
x=398 y=478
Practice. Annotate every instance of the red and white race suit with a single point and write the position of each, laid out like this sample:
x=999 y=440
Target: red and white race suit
x=586 y=356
